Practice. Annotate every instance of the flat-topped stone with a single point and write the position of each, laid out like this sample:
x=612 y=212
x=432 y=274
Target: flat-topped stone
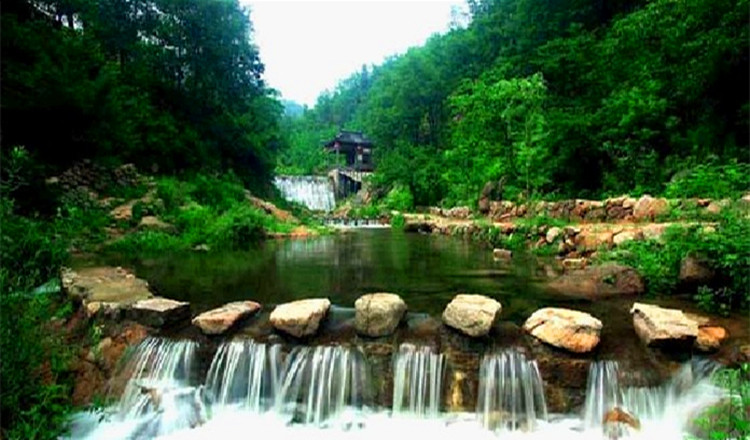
x=300 y=318
x=219 y=320
x=378 y=314
x=104 y=284
x=662 y=327
x=571 y=330
x=472 y=315
x=159 y=312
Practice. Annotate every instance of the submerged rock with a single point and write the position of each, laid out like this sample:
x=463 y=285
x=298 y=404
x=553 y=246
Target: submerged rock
x=665 y=328
x=617 y=423
x=710 y=338
x=473 y=315
x=219 y=320
x=300 y=318
x=571 y=330
x=609 y=279
x=159 y=312
x=378 y=314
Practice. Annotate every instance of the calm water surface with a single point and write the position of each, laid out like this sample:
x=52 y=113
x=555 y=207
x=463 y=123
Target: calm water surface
x=426 y=270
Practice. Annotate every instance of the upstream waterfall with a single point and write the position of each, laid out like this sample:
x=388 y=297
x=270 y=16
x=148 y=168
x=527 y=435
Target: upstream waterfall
x=323 y=392
x=315 y=192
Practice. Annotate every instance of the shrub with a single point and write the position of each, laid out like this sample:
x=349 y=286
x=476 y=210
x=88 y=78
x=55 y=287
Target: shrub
x=219 y=193
x=400 y=199
x=173 y=192
x=728 y=419
x=398 y=221
x=238 y=228
x=710 y=180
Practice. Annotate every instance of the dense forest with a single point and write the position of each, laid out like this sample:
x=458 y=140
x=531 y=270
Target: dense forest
x=561 y=99
x=172 y=87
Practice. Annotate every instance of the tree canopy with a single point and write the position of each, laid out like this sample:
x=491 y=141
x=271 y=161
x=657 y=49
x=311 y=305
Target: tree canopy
x=570 y=98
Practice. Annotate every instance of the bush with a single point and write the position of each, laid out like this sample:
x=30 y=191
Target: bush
x=400 y=199
x=727 y=419
x=731 y=180
x=398 y=221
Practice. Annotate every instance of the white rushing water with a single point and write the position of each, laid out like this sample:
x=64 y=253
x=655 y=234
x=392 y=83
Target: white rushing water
x=417 y=381
x=322 y=392
x=315 y=192
x=511 y=393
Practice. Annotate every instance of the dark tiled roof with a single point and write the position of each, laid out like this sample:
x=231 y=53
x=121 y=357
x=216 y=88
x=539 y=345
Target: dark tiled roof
x=350 y=137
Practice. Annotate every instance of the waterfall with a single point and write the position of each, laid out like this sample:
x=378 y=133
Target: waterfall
x=245 y=373
x=159 y=397
x=323 y=385
x=417 y=381
x=315 y=192
x=511 y=394
x=606 y=391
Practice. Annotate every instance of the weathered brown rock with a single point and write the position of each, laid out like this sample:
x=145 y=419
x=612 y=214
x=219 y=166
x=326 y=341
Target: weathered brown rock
x=649 y=208
x=378 y=314
x=552 y=234
x=628 y=235
x=105 y=285
x=605 y=280
x=473 y=315
x=617 y=422
x=664 y=328
x=123 y=212
x=219 y=320
x=571 y=330
x=153 y=223
x=696 y=271
x=588 y=241
x=710 y=338
x=159 y=312
x=271 y=209
x=300 y=318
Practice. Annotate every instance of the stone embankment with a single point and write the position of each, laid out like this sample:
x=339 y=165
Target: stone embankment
x=564 y=341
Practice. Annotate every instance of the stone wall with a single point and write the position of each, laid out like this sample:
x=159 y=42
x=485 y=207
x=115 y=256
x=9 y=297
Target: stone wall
x=617 y=209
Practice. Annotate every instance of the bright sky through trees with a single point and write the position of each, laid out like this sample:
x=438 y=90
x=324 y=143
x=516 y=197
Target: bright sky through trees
x=309 y=46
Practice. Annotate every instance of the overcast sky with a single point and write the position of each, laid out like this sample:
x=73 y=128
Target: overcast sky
x=309 y=46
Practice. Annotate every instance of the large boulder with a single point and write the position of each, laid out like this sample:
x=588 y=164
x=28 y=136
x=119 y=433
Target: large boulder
x=300 y=318
x=571 y=330
x=662 y=327
x=219 y=320
x=105 y=284
x=472 y=315
x=378 y=314
x=159 y=312
x=695 y=271
x=605 y=280
x=648 y=208
x=153 y=223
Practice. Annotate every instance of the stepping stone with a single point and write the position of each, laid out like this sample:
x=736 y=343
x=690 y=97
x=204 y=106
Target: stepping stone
x=300 y=318
x=378 y=314
x=571 y=330
x=219 y=320
x=472 y=315
x=159 y=312
x=664 y=328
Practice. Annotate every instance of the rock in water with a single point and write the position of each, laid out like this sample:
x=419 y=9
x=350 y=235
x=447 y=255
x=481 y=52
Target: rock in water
x=665 y=328
x=617 y=423
x=473 y=315
x=218 y=321
x=300 y=318
x=378 y=314
x=159 y=312
x=564 y=328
